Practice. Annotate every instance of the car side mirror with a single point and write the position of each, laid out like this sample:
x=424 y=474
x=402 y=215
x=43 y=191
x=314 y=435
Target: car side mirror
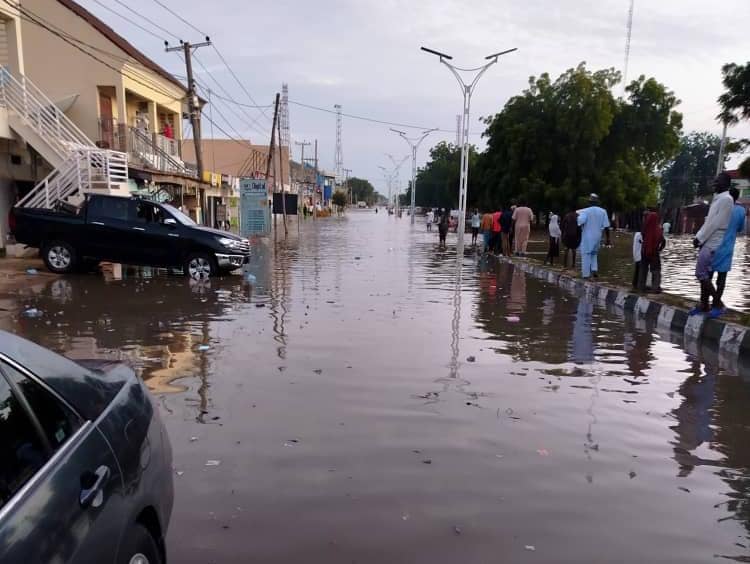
x=170 y=222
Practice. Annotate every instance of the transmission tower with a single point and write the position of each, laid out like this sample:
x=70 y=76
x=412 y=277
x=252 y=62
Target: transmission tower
x=458 y=130
x=627 y=45
x=284 y=141
x=339 y=166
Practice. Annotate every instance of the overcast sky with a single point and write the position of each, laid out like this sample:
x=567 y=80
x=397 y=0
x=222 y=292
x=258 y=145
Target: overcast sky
x=364 y=55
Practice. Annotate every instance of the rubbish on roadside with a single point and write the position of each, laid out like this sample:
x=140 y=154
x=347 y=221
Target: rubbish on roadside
x=213 y=462
x=542 y=452
x=32 y=271
x=513 y=319
x=32 y=312
x=530 y=547
x=203 y=347
x=471 y=359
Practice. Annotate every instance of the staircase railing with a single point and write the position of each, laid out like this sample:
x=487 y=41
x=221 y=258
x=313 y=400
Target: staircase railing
x=142 y=145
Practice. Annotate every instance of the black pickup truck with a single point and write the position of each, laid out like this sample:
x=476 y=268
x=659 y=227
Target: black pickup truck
x=128 y=231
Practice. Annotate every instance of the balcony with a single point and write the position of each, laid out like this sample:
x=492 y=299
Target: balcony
x=146 y=150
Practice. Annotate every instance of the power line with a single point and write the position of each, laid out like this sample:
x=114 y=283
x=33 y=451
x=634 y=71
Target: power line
x=223 y=60
x=179 y=17
x=127 y=19
x=156 y=25
x=240 y=104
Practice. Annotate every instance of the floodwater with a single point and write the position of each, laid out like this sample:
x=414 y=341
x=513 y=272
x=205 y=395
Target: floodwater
x=369 y=401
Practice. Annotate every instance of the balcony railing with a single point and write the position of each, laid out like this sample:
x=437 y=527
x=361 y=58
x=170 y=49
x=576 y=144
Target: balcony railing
x=151 y=151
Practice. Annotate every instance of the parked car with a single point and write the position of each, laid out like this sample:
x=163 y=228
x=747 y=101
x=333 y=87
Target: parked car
x=128 y=231
x=85 y=461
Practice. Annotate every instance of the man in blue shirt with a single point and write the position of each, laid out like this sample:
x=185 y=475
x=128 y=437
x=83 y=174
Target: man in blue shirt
x=593 y=221
x=722 y=262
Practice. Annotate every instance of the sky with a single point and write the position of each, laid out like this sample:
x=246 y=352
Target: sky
x=365 y=55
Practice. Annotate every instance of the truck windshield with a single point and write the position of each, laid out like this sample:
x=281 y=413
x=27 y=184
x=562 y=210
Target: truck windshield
x=178 y=215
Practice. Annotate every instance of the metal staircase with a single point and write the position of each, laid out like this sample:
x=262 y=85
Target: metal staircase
x=79 y=165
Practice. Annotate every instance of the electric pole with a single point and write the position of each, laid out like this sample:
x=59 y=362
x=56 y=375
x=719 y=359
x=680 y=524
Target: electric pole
x=302 y=145
x=347 y=172
x=194 y=109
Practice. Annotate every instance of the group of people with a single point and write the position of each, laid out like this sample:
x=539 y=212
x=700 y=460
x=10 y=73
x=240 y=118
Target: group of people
x=716 y=241
x=505 y=231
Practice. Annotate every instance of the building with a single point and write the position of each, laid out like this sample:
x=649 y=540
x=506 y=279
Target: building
x=115 y=95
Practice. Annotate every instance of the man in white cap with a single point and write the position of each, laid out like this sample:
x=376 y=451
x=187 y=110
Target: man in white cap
x=593 y=221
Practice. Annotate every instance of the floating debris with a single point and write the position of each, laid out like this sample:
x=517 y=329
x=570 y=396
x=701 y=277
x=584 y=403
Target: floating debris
x=32 y=271
x=542 y=452
x=213 y=462
x=513 y=319
x=318 y=371
x=203 y=347
x=471 y=359
x=427 y=461
x=530 y=547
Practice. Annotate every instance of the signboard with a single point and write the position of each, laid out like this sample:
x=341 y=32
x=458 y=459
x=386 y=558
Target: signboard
x=291 y=204
x=254 y=213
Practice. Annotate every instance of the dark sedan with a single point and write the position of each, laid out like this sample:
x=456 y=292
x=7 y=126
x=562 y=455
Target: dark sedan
x=85 y=461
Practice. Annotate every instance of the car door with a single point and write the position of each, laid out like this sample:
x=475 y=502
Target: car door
x=60 y=485
x=108 y=228
x=158 y=241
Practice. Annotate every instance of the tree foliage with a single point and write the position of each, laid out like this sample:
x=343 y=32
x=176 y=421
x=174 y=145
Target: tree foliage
x=735 y=101
x=560 y=140
x=339 y=199
x=437 y=182
x=362 y=190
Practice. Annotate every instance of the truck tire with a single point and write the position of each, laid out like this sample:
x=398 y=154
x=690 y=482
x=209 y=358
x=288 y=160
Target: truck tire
x=59 y=257
x=200 y=266
x=139 y=547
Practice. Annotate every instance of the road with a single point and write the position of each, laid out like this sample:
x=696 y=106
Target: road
x=370 y=399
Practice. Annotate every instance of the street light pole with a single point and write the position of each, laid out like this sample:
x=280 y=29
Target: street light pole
x=467 y=90
x=396 y=167
x=414 y=143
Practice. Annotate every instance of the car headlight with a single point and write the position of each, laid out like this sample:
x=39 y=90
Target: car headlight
x=229 y=243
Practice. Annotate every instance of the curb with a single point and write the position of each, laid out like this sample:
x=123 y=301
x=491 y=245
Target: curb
x=730 y=338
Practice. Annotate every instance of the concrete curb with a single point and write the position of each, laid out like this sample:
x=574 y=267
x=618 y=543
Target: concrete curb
x=730 y=338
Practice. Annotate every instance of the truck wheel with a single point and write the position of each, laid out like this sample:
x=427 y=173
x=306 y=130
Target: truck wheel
x=200 y=266
x=139 y=547
x=59 y=257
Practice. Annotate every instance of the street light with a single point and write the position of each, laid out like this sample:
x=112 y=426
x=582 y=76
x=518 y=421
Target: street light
x=394 y=176
x=467 y=90
x=414 y=143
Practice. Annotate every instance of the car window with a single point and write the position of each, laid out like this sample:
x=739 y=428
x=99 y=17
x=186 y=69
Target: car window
x=22 y=453
x=56 y=419
x=146 y=212
x=108 y=208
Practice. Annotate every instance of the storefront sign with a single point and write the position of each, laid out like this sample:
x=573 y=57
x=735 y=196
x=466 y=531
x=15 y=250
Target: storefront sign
x=255 y=217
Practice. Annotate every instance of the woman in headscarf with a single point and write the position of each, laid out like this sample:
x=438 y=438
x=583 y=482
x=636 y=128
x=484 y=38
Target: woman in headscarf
x=554 y=238
x=653 y=243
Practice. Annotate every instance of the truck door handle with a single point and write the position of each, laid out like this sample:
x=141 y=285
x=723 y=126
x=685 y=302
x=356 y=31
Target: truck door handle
x=92 y=484
x=139 y=228
x=97 y=223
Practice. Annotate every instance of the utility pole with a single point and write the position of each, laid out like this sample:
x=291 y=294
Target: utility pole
x=722 y=148
x=339 y=161
x=194 y=109
x=348 y=171
x=414 y=143
x=281 y=176
x=315 y=191
x=270 y=152
x=302 y=145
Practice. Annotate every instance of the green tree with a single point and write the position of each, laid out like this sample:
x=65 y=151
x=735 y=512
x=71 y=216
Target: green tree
x=437 y=181
x=362 y=190
x=339 y=199
x=735 y=101
x=558 y=141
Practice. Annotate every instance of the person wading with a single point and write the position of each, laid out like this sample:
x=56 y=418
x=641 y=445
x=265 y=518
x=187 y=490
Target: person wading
x=429 y=219
x=571 y=237
x=486 y=227
x=443 y=226
x=723 y=255
x=593 y=221
x=506 y=228
x=554 y=238
x=653 y=244
x=476 y=221
x=708 y=239
x=523 y=217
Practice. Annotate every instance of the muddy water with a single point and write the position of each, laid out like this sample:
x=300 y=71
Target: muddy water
x=351 y=423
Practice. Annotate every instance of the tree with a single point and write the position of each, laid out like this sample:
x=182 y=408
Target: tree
x=339 y=199
x=558 y=141
x=437 y=182
x=362 y=191
x=735 y=101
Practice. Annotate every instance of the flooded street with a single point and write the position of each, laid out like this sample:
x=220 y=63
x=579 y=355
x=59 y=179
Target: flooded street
x=366 y=402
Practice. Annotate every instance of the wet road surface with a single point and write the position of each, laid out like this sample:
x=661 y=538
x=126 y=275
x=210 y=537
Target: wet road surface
x=363 y=403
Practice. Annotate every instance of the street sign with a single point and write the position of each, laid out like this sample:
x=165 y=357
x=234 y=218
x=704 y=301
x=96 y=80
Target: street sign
x=254 y=213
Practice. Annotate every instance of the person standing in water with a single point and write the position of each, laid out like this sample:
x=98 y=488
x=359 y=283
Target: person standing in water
x=523 y=218
x=429 y=218
x=476 y=221
x=486 y=228
x=443 y=226
x=653 y=243
x=593 y=221
x=554 y=238
x=571 y=237
x=723 y=255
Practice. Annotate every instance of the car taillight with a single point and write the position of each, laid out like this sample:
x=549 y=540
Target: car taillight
x=12 y=221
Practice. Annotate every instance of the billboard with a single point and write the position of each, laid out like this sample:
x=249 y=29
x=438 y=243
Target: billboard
x=255 y=216
x=291 y=204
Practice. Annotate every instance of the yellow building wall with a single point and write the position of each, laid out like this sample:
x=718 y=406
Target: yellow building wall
x=61 y=70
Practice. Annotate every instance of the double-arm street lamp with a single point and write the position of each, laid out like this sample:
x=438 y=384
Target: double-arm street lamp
x=414 y=143
x=467 y=89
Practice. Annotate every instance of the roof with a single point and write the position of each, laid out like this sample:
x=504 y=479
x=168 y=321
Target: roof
x=120 y=41
x=227 y=156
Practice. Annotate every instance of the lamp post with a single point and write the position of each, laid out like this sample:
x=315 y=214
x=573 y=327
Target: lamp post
x=414 y=143
x=467 y=90
x=394 y=177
